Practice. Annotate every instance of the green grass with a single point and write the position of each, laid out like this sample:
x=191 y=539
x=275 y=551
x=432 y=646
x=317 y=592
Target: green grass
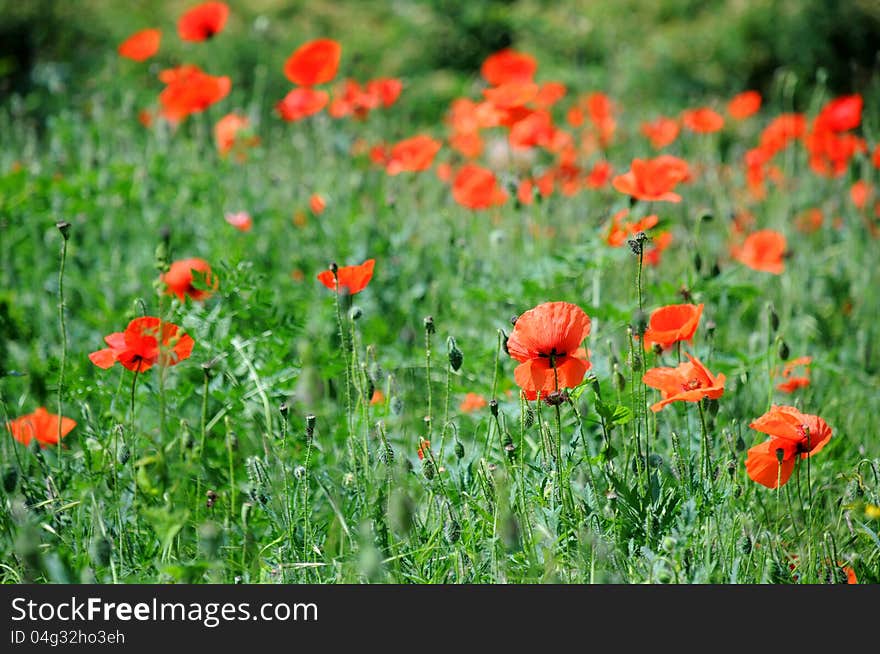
x=126 y=498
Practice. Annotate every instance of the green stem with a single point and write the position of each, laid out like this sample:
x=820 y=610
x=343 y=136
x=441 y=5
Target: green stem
x=63 y=324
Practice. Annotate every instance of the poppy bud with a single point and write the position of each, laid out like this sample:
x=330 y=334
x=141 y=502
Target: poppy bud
x=529 y=417
x=636 y=362
x=299 y=472
x=668 y=544
x=396 y=405
x=716 y=270
x=210 y=498
x=459 y=449
x=63 y=227
x=745 y=544
x=206 y=368
x=594 y=383
x=310 y=426
x=780 y=455
x=657 y=349
x=493 y=407
x=740 y=444
x=428 y=469
x=783 y=350
x=640 y=322
x=429 y=325
x=386 y=454
x=258 y=475
x=513 y=319
x=284 y=409
x=504 y=342
x=619 y=380
x=355 y=313
x=698 y=262
x=707 y=217
x=556 y=398
x=456 y=356
x=774 y=317
x=334 y=268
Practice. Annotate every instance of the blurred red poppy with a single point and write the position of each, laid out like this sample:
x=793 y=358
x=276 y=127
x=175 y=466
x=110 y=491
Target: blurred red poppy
x=475 y=187
x=690 y=381
x=40 y=425
x=138 y=348
x=230 y=132
x=314 y=62
x=840 y=114
x=301 y=103
x=702 y=120
x=661 y=132
x=190 y=90
x=353 y=279
x=412 y=155
x=652 y=180
x=179 y=279
x=859 y=193
x=763 y=250
x=547 y=341
x=508 y=66
x=472 y=402
x=203 y=21
x=793 y=382
x=241 y=220
x=599 y=175
x=744 y=104
x=317 y=204
x=141 y=45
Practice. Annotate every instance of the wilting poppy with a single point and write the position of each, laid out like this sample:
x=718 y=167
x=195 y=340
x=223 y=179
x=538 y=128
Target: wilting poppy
x=353 y=279
x=703 y=120
x=672 y=324
x=141 y=45
x=793 y=382
x=227 y=134
x=508 y=66
x=317 y=204
x=661 y=131
x=652 y=180
x=472 y=402
x=203 y=21
x=477 y=188
x=190 y=90
x=138 y=348
x=792 y=433
x=40 y=425
x=744 y=104
x=840 y=114
x=314 y=62
x=763 y=250
x=412 y=155
x=690 y=381
x=301 y=103
x=241 y=220
x=179 y=279
x=546 y=340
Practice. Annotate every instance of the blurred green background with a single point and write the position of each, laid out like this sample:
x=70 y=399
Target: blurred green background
x=672 y=52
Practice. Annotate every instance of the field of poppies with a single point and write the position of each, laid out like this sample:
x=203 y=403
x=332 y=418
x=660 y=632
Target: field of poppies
x=553 y=337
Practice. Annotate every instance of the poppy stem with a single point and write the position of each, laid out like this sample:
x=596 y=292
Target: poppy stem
x=65 y=230
x=343 y=342
x=705 y=461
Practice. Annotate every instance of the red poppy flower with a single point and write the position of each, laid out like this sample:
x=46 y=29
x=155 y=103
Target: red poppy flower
x=301 y=103
x=703 y=120
x=671 y=324
x=599 y=175
x=412 y=155
x=508 y=66
x=661 y=131
x=536 y=129
x=354 y=100
x=690 y=381
x=840 y=114
x=511 y=94
x=831 y=152
x=317 y=204
x=875 y=156
x=763 y=250
x=549 y=94
x=378 y=397
x=203 y=21
x=40 y=425
x=190 y=90
x=241 y=220
x=314 y=62
x=792 y=433
x=547 y=341
x=353 y=279
x=179 y=279
x=810 y=220
x=386 y=89
x=793 y=382
x=781 y=131
x=141 y=45
x=620 y=231
x=652 y=180
x=472 y=402
x=475 y=187
x=744 y=105
x=658 y=245
x=138 y=347
x=859 y=193
x=227 y=133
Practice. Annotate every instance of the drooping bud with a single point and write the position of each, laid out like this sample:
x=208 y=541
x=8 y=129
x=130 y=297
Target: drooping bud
x=783 y=350
x=456 y=356
x=458 y=449
x=64 y=227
